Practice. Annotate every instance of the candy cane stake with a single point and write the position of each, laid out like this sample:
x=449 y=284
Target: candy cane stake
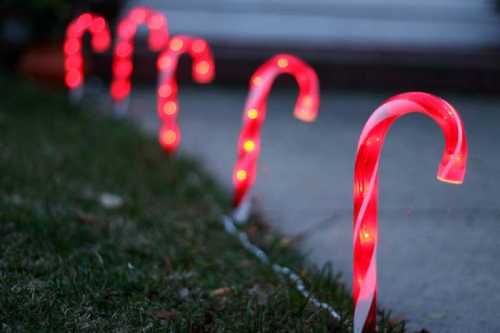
x=73 y=57
x=168 y=107
x=451 y=169
x=124 y=49
x=306 y=109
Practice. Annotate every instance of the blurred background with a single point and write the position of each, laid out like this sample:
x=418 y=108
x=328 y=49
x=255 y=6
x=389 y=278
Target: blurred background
x=438 y=252
x=450 y=44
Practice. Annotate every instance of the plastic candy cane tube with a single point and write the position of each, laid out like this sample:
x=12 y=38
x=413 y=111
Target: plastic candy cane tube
x=365 y=237
x=73 y=58
x=306 y=109
x=168 y=106
x=124 y=49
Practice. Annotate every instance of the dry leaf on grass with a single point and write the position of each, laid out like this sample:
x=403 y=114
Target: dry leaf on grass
x=220 y=291
x=163 y=314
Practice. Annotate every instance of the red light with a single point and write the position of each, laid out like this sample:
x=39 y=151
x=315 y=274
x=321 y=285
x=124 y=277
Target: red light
x=84 y=20
x=282 y=63
x=101 y=42
x=124 y=49
x=164 y=91
x=138 y=15
x=122 y=68
x=126 y=29
x=252 y=113
x=169 y=138
x=120 y=89
x=241 y=175
x=156 y=21
x=203 y=67
x=169 y=108
x=451 y=169
x=74 y=61
x=71 y=46
x=176 y=44
x=164 y=62
x=73 y=78
x=98 y=25
x=199 y=46
x=257 y=81
x=249 y=146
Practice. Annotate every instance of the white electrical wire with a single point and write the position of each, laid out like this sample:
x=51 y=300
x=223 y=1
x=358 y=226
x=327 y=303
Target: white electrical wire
x=230 y=228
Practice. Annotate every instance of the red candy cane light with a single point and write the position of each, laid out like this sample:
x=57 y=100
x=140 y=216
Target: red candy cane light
x=306 y=109
x=124 y=48
x=168 y=106
x=451 y=169
x=73 y=57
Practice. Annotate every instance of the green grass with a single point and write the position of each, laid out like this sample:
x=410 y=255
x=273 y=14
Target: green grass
x=160 y=261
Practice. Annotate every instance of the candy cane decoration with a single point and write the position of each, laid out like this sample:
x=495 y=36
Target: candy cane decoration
x=168 y=106
x=73 y=58
x=451 y=169
x=306 y=109
x=124 y=49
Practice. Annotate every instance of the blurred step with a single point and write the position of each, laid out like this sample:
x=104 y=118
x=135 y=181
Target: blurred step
x=449 y=43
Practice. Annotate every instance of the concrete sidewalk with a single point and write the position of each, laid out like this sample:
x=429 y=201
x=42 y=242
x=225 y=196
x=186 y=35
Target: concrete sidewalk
x=439 y=244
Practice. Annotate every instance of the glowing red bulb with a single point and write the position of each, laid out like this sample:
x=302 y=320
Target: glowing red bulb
x=282 y=63
x=101 y=42
x=156 y=21
x=241 y=175
x=73 y=78
x=71 y=46
x=169 y=108
x=84 y=20
x=124 y=49
x=169 y=138
x=252 y=113
x=120 y=89
x=74 y=61
x=164 y=63
x=249 y=146
x=98 y=25
x=257 y=81
x=203 y=67
x=164 y=91
x=176 y=44
x=199 y=45
x=138 y=15
x=122 y=68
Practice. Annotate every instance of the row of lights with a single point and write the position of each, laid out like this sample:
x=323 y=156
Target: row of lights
x=306 y=109
x=168 y=106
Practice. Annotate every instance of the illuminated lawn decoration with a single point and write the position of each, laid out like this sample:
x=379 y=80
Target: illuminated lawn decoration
x=306 y=109
x=73 y=45
x=168 y=105
x=124 y=49
x=451 y=169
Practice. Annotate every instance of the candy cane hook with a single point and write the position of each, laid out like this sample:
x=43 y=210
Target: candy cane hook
x=168 y=107
x=306 y=109
x=124 y=49
x=451 y=169
x=73 y=58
